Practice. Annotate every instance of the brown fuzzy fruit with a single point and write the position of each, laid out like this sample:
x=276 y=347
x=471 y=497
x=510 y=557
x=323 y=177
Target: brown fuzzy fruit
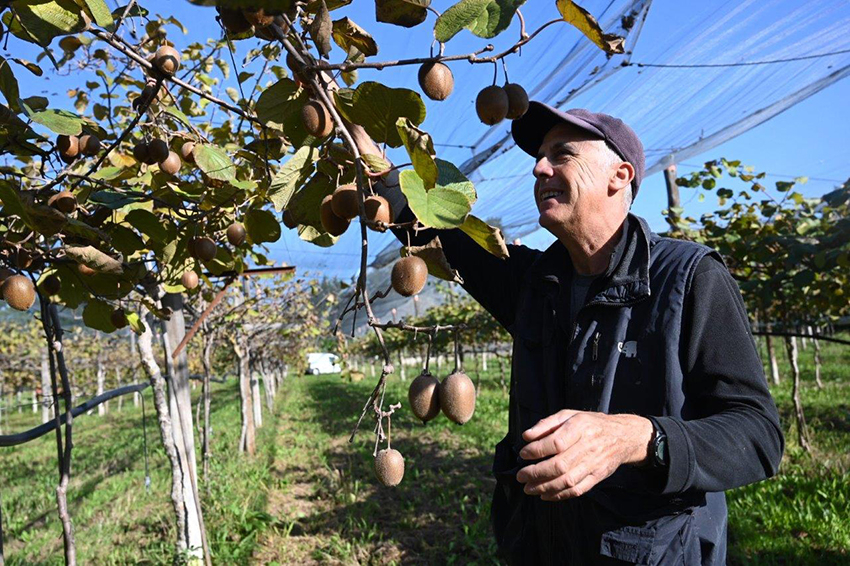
x=457 y=397
x=186 y=152
x=333 y=224
x=158 y=150
x=492 y=105
x=84 y=269
x=51 y=285
x=378 y=209
x=317 y=119
x=236 y=234
x=167 y=60
x=233 y=20
x=68 y=146
x=424 y=397
x=259 y=18
x=149 y=95
x=345 y=203
x=436 y=80
x=389 y=467
x=89 y=145
x=189 y=280
x=118 y=318
x=63 y=201
x=141 y=152
x=66 y=159
x=171 y=164
x=409 y=275
x=204 y=249
x=19 y=292
x=517 y=100
x=294 y=68
x=289 y=220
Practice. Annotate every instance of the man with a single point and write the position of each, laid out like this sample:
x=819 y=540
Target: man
x=637 y=393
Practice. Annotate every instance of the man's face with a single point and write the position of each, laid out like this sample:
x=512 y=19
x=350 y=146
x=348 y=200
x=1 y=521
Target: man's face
x=572 y=177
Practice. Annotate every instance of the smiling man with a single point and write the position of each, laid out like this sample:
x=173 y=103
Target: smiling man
x=637 y=393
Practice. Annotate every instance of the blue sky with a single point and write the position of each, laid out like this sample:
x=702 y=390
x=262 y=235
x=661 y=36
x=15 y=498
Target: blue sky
x=809 y=139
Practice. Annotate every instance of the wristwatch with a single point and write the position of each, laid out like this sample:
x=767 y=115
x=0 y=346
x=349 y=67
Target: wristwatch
x=658 y=456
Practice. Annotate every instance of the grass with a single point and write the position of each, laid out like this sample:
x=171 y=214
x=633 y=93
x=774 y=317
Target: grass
x=309 y=496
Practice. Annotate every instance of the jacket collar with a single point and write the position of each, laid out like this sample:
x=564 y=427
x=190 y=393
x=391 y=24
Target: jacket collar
x=625 y=281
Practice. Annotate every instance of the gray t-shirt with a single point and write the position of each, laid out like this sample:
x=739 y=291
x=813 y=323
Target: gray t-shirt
x=578 y=294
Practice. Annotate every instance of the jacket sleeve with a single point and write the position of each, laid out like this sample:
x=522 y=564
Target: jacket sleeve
x=732 y=436
x=491 y=281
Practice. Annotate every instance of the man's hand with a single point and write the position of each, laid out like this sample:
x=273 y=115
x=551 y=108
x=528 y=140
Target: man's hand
x=582 y=449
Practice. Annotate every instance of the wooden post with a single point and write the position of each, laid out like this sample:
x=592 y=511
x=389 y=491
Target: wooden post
x=672 y=195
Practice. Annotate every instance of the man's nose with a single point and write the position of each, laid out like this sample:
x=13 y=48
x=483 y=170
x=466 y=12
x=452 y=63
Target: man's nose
x=542 y=168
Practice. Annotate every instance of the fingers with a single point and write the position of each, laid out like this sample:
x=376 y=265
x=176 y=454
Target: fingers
x=559 y=440
x=547 y=425
x=577 y=490
x=561 y=475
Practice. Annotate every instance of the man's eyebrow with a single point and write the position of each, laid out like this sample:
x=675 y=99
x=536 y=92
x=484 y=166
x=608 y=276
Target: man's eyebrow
x=569 y=146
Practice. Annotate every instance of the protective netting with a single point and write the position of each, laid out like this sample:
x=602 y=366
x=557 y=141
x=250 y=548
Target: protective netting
x=678 y=112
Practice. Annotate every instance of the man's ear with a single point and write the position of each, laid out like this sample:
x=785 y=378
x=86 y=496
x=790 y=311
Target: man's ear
x=621 y=176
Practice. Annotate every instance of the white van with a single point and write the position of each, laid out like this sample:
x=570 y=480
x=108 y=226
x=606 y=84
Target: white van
x=322 y=362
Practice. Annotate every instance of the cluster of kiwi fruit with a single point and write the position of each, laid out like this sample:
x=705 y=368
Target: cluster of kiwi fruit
x=257 y=20
x=342 y=206
x=495 y=103
x=454 y=396
x=71 y=148
x=156 y=151
x=204 y=248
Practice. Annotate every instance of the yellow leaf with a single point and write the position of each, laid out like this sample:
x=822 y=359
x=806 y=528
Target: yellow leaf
x=587 y=24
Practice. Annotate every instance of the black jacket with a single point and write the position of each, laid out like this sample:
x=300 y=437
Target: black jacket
x=663 y=334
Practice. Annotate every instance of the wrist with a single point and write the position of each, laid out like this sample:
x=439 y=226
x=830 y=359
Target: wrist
x=643 y=434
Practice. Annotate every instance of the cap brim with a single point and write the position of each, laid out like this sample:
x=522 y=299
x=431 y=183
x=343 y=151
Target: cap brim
x=529 y=130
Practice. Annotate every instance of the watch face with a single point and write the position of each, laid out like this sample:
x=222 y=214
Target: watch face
x=661 y=450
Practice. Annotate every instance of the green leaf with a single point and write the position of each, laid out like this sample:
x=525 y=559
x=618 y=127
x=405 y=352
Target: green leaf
x=148 y=224
x=125 y=240
x=29 y=66
x=135 y=11
x=100 y=12
x=306 y=202
x=377 y=108
x=376 y=163
x=42 y=20
x=262 y=226
x=440 y=207
x=484 y=18
x=59 y=121
x=404 y=13
x=420 y=148
x=316 y=237
x=278 y=101
x=9 y=85
x=587 y=24
x=214 y=162
x=347 y=34
x=488 y=237
x=292 y=175
x=97 y=315
x=136 y=322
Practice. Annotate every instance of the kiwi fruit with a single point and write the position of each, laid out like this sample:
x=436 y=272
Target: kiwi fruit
x=378 y=209
x=89 y=145
x=189 y=280
x=63 y=201
x=118 y=318
x=66 y=159
x=492 y=105
x=23 y=258
x=51 y=285
x=85 y=270
x=457 y=397
x=332 y=224
x=294 y=68
x=289 y=220
x=317 y=120
x=186 y=152
x=141 y=152
x=158 y=150
x=19 y=292
x=424 y=397
x=345 y=202
x=149 y=95
x=436 y=80
x=167 y=60
x=517 y=100
x=68 y=146
x=233 y=20
x=171 y=164
x=204 y=249
x=258 y=18
x=409 y=275
x=389 y=467
x=236 y=234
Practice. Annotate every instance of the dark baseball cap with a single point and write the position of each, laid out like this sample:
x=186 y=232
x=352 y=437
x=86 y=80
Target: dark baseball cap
x=529 y=131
